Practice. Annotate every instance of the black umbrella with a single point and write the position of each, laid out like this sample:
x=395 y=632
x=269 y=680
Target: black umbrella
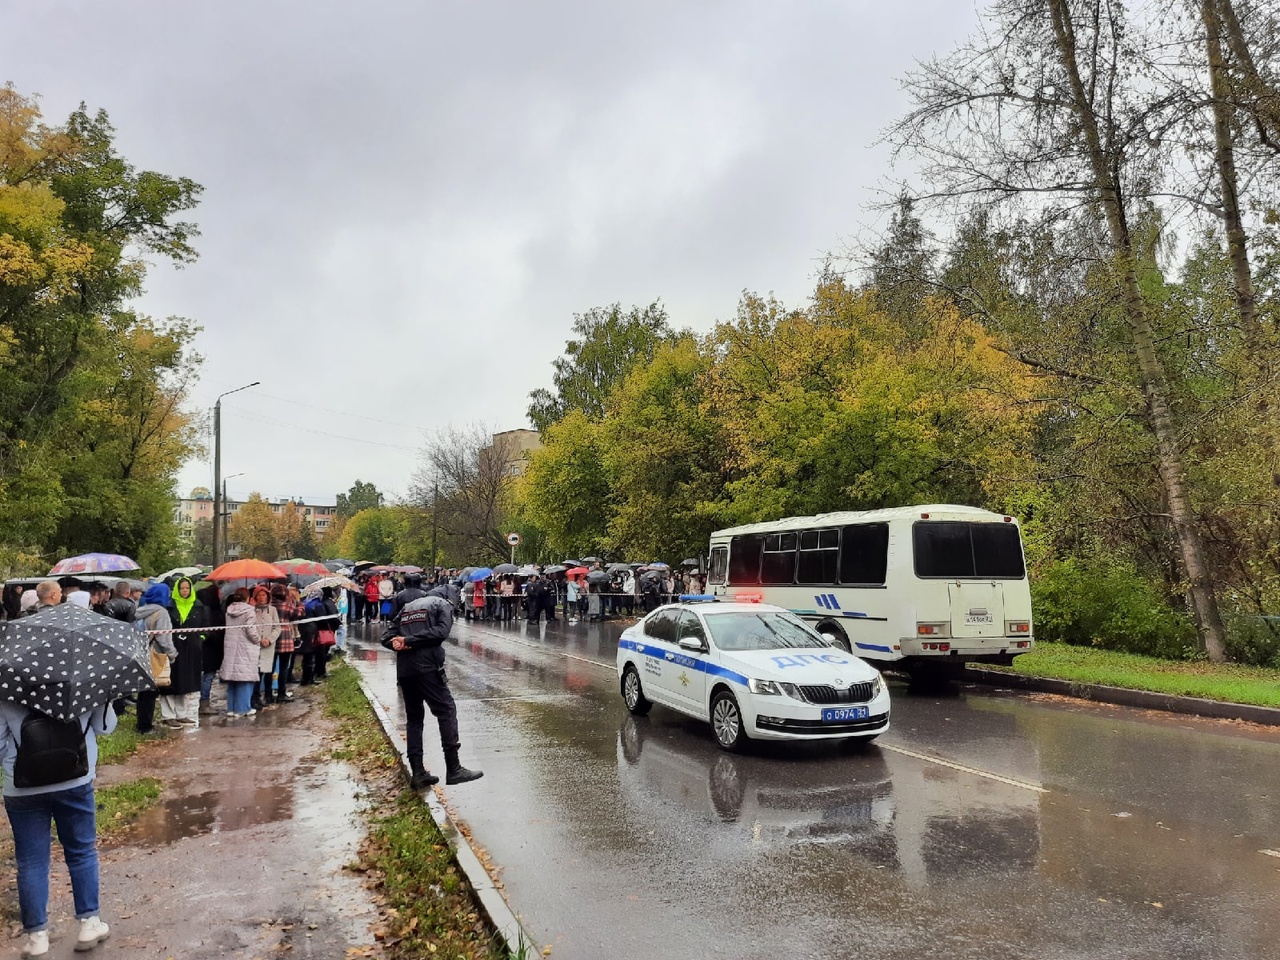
x=554 y=568
x=586 y=560
x=597 y=576
x=571 y=563
x=503 y=569
x=619 y=567
x=65 y=660
x=691 y=562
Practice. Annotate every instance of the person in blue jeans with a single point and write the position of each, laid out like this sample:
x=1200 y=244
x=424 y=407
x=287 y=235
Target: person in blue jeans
x=70 y=805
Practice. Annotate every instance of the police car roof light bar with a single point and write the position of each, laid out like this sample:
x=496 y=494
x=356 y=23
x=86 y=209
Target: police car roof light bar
x=698 y=598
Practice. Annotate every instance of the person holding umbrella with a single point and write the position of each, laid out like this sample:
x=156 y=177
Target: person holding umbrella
x=59 y=670
x=241 y=644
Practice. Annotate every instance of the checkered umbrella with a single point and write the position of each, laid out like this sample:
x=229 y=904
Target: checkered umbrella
x=65 y=660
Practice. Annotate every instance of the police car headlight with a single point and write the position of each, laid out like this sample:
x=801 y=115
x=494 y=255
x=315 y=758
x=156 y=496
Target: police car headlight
x=765 y=688
x=876 y=686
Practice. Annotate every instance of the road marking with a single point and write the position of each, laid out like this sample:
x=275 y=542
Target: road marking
x=1270 y=853
x=1034 y=787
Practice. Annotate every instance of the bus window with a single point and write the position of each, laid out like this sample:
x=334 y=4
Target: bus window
x=864 y=553
x=778 y=563
x=744 y=560
x=997 y=551
x=819 y=556
x=719 y=564
x=955 y=550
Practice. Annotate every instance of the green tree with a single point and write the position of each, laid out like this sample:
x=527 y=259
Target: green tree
x=202 y=542
x=253 y=529
x=361 y=496
x=373 y=534
x=91 y=427
x=608 y=342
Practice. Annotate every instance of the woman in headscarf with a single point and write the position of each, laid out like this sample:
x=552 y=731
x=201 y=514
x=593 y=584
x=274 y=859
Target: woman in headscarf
x=242 y=642
x=211 y=651
x=153 y=612
x=180 y=701
x=268 y=633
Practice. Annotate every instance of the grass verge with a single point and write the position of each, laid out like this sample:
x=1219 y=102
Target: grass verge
x=1231 y=683
x=122 y=743
x=430 y=908
x=120 y=803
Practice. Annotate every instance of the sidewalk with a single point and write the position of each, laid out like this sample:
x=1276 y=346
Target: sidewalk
x=243 y=856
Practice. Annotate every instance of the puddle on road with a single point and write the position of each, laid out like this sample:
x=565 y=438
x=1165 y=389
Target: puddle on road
x=324 y=797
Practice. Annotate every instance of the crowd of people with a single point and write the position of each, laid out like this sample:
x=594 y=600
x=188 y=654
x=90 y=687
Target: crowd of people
x=594 y=595
x=258 y=639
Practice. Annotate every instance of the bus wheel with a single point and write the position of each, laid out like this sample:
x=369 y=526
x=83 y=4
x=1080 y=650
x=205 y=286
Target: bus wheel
x=835 y=635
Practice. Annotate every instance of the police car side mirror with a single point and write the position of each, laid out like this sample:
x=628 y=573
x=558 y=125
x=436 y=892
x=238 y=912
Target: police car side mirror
x=692 y=643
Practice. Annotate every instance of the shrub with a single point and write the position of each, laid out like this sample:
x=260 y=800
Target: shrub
x=1253 y=639
x=1108 y=604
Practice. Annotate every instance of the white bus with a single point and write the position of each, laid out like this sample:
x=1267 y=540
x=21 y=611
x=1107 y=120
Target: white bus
x=929 y=584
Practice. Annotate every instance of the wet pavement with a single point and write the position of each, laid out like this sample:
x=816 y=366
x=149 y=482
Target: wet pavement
x=985 y=824
x=244 y=855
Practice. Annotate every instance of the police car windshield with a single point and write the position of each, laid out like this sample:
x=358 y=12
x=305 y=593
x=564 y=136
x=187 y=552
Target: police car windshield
x=759 y=631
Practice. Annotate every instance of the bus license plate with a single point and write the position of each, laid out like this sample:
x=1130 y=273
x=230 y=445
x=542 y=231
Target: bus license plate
x=978 y=618
x=843 y=714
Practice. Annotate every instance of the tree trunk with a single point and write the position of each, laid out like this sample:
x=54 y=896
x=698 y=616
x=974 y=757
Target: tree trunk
x=1263 y=99
x=1224 y=156
x=1151 y=371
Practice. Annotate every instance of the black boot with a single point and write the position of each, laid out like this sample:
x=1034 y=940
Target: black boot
x=420 y=777
x=455 y=772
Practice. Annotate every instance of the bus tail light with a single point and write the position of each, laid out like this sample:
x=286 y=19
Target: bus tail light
x=940 y=647
x=1013 y=627
x=932 y=629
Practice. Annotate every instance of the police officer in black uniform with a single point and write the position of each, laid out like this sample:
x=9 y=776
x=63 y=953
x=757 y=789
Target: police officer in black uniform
x=420 y=623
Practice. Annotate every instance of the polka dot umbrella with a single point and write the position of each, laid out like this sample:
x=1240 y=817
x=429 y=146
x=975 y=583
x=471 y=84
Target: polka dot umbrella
x=65 y=660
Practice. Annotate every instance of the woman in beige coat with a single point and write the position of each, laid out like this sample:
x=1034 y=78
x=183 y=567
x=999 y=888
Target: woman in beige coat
x=240 y=656
x=268 y=618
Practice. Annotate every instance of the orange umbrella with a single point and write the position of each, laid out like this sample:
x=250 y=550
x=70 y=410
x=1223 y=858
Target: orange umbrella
x=577 y=573
x=247 y=570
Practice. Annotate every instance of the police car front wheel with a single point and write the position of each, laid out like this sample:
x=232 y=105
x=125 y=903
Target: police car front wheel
x=726 y=721
x=632 y=693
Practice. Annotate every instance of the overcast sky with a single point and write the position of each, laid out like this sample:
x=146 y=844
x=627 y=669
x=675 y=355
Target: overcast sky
x=405 y=202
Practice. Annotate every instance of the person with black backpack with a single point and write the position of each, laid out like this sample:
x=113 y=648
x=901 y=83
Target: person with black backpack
x=49 y=768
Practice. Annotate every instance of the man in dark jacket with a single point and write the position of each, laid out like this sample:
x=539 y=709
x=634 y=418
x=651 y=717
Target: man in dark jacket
x=120 y=607
x=417 y=631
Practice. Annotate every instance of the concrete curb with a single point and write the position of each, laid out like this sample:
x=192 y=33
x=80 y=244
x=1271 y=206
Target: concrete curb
x=1144 y=699
x=492 y=902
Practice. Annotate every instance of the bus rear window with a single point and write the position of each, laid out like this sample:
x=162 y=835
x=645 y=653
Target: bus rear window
x=954 y=550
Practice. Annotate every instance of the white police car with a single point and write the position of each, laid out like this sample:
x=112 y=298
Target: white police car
x=754 y=671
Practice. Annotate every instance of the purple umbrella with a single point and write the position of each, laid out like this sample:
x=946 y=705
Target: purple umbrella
x=93 y=563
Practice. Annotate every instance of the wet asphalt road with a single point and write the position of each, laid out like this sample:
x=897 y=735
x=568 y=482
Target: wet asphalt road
x=983 y=825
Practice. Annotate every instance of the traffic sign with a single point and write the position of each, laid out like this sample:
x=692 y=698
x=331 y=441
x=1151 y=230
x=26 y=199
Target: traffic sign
x=513 y=539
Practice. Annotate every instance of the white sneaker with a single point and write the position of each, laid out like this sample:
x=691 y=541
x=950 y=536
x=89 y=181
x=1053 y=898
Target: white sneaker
x=249 y=713
x=37 y=944
x=92 y=932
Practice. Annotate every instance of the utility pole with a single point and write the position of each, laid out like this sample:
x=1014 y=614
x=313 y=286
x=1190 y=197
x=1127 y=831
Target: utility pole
x=219 y=541
x=435 y=501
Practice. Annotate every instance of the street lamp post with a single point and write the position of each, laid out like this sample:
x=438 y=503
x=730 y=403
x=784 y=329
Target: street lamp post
x=217 y=471
x=226 y=510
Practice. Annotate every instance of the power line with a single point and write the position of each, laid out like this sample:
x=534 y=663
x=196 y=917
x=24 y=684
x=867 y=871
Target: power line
x=323 y=433
x=344 y=413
